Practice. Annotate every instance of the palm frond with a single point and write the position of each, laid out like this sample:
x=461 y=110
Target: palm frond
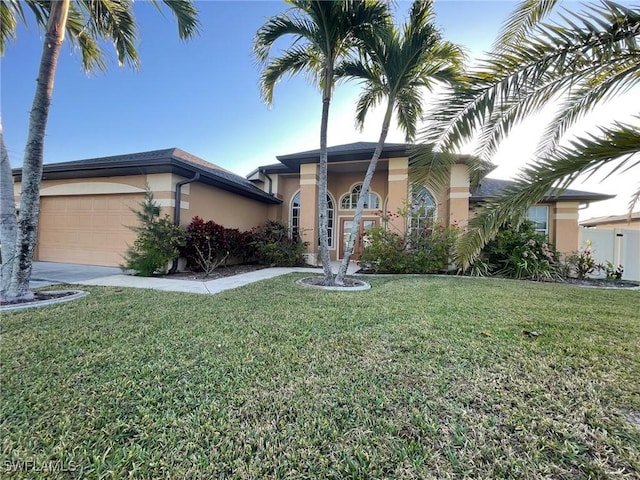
x=295 y=60
x=113 y=20
x=409 y=111
x=612 y=80
x=616 y=146
x=525 y=17
x=512 y=85
x=10 y=11
x=81 y=39
x=186 y=16
x=429 y=167
x=371 y=96
x=288 y=23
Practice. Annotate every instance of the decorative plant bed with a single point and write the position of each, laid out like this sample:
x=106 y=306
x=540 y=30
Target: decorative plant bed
x=42 y=299
x=601 y=283
x=350 y=284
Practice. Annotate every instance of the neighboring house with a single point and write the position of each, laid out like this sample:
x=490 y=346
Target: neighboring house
x=615 y=239
x=614 y=221
x=86 y=204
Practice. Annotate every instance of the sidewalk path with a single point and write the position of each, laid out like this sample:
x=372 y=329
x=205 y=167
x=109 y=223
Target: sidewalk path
x=201 y=286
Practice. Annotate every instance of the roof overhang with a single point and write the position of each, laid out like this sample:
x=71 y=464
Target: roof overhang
x=389 y=151
x=170 y=164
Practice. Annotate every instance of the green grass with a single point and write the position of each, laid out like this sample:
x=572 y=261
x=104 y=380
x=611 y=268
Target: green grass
x=420 y=377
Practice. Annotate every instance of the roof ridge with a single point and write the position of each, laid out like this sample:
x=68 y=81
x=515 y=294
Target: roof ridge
x=191 y=158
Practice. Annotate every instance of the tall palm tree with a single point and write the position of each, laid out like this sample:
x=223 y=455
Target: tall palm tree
x=398 y=66
x=88 y=22
x=579 y=61
x=322 y=34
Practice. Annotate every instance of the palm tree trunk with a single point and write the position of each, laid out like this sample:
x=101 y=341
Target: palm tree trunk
x=323 y=223
x=364 y=192
x=8 y=223
x=27 y=234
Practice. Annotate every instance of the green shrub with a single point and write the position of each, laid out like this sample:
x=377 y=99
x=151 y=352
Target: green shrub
x=158 y=240
x=582 y=264
x=613 y=272
x=519 y=253
x=273 y=245
x=426 y=250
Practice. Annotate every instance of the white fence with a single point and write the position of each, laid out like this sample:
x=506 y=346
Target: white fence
x=619 y=246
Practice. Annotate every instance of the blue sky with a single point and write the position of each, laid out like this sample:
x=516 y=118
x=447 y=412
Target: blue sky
x=202 y=95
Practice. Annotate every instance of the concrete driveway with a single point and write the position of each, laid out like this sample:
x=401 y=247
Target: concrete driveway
x=51 y=273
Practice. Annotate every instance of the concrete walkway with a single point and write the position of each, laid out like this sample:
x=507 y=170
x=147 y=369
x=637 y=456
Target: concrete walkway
x=85 y=275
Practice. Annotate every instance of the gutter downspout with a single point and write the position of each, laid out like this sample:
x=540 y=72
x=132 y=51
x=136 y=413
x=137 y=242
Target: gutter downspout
x=176 y=209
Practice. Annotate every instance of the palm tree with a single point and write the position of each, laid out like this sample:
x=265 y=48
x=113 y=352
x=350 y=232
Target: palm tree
x=580 y=61
x=398 y=66
x=322 y=35
x=88 y=22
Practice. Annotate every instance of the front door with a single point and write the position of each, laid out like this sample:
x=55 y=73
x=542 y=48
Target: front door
x=345 y=231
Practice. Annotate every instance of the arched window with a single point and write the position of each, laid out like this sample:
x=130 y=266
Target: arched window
x=295 y=217
x=349 y=200
x=422 y=208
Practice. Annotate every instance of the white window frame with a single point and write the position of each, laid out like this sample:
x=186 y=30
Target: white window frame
x=416 y=221
x=294 y=216
x=349 y=200
x=536 y=216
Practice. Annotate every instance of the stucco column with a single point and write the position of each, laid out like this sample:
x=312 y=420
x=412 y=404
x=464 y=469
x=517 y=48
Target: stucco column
x=309 y=209
x=458 y=196
x=563 y=227
x=398 y=190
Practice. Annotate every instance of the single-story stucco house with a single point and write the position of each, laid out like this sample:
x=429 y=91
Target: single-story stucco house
x=611 y=222
x=86 y=204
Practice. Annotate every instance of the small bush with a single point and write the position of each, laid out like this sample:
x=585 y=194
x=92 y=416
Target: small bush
x=158 y=241
x=613 y=272
x=273 y=245
x=427 y=250
x=582 y=264
x=209 y=245
x=519 y=253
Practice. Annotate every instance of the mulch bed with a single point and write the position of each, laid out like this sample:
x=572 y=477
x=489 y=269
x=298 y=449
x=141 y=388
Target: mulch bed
x=601 y=282
x=39 y=297
x=319 y=282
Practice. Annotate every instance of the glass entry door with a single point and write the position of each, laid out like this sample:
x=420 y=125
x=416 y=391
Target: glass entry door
x=345 y=231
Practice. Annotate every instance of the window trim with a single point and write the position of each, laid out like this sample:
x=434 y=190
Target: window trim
x=421 y=219
x=353 y=198
x=541 y=231
x=331 y=218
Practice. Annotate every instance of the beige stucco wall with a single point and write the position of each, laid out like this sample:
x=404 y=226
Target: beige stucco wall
x=458 y=196
x=563 y=226
x=224 y=208
x=80 y=215
x=162 y=185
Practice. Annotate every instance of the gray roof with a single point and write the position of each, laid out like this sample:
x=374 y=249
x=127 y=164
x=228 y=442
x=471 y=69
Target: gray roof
x=622 y=219
x=170 y=160
x=490 y=187
x=346 y=152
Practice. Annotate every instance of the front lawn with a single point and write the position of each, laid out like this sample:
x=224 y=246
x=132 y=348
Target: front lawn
x=420 y=377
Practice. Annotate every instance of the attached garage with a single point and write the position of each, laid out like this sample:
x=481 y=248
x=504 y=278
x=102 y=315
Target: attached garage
x=86 y=229
x=85 y=205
